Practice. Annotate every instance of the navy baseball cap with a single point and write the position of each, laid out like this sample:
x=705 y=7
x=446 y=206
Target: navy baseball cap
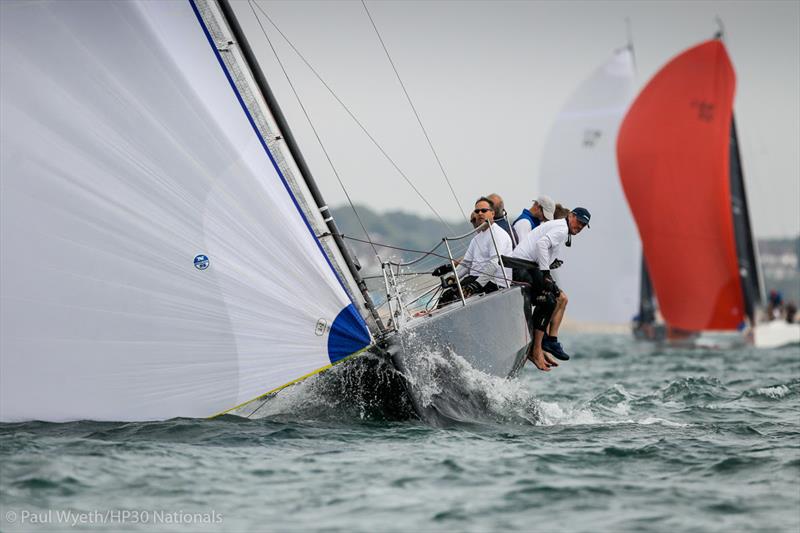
x=582 y=214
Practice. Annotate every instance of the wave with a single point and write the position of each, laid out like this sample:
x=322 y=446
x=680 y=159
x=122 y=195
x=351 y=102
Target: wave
x=366 y=388
x=448 y=390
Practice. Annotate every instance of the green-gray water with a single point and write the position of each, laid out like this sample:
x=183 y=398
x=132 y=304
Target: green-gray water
x=626 y=437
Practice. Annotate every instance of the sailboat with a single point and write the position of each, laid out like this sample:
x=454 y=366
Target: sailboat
x=165 y=249
x=680 y=166
x=579 y=167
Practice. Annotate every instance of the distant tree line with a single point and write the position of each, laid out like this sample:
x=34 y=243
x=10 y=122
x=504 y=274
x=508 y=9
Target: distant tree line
x=396 y=228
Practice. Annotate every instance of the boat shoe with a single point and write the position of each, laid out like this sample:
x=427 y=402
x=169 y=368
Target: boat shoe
x=554 y=348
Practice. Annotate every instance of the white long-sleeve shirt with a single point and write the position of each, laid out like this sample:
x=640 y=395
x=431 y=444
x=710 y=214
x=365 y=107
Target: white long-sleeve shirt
x=542 y=245
x=481 y=258
x=522 y=227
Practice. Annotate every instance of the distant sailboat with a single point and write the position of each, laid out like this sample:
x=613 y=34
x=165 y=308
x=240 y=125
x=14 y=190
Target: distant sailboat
x=165 y=251
x=579 y=167
x=680 y=168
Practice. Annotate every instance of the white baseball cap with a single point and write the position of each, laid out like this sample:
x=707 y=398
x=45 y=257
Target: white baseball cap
x=548 y=206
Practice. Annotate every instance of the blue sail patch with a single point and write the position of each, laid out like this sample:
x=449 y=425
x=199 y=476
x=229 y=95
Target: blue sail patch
x=348 y=334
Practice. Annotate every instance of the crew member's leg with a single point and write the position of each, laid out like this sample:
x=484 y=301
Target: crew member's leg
x=545 y=304
x=558 y=314
x=538 y=320
x=550 y=342
x=536 y=355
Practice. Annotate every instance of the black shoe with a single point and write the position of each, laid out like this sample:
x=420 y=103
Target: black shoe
x=553 y=347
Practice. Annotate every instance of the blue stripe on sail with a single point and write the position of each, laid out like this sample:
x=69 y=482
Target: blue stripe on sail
x=264 y=145
x=348 y=334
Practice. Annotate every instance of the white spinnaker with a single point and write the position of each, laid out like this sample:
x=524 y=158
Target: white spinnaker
x=579 y=169
x=125 y=154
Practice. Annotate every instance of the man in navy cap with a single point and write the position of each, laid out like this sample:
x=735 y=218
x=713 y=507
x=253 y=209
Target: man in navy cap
x=540 y=248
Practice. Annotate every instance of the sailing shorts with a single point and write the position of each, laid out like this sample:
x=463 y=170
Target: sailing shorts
x=537 y=295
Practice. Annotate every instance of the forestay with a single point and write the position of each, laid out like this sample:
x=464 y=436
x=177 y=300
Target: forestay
x=154 y=263
x=579 y=168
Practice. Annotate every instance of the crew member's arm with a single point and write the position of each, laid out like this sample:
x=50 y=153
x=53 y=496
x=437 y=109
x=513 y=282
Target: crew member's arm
x=505 y=247
x=466 y=262
x=543 y=247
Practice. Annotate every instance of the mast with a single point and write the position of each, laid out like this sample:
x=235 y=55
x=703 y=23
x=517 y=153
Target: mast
x=742 y=230
x=647 y=308
x=299 y=160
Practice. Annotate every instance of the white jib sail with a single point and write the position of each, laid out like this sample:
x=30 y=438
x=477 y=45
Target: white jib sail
x=579 y=168
x=154 y=263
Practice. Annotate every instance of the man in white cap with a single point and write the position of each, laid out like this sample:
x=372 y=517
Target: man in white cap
x=541 y=211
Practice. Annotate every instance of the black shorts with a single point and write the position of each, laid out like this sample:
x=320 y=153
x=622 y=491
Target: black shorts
x=538 y=295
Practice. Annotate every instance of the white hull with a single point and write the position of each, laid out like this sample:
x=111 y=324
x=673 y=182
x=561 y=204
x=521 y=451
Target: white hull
x=776 y=333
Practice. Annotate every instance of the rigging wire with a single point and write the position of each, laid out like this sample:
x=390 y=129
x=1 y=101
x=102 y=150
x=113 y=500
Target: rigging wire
x=431 y=253
x=425 y=254
x=416 y=114
x=347 y=110
x=314 y=129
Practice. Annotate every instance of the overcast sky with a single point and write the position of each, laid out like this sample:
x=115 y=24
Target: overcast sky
x=488 y=79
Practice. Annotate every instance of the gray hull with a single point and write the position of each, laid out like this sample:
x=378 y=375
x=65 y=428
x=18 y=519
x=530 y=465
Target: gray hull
x=434 y=352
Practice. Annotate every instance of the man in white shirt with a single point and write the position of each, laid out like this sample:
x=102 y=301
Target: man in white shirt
x=479 y=270
x=542 y=210
x=481 y=260
x=541 y=246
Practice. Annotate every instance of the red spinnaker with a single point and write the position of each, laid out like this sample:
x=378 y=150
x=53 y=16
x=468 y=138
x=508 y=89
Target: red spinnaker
x=673 y=156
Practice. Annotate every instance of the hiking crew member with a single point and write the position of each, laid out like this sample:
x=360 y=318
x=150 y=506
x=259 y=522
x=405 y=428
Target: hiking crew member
x=540 y=247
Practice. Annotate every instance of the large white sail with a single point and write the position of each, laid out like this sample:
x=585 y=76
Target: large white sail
x=154 y=262
x=579 y=168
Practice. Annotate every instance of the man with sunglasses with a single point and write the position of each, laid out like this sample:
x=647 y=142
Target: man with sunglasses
x=539 y=249
x=479 y=270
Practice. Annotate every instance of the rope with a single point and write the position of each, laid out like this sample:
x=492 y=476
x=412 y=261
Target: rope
x=347 y=109
x=310 y=122
x=416 y=114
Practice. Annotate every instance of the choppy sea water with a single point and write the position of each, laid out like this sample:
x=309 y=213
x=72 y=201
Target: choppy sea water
x=625 y=437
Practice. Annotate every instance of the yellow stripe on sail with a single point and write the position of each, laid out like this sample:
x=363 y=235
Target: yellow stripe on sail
x=298 y=380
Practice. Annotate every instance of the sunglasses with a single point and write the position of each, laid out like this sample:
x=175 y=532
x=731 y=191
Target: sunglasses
x=482 y=210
